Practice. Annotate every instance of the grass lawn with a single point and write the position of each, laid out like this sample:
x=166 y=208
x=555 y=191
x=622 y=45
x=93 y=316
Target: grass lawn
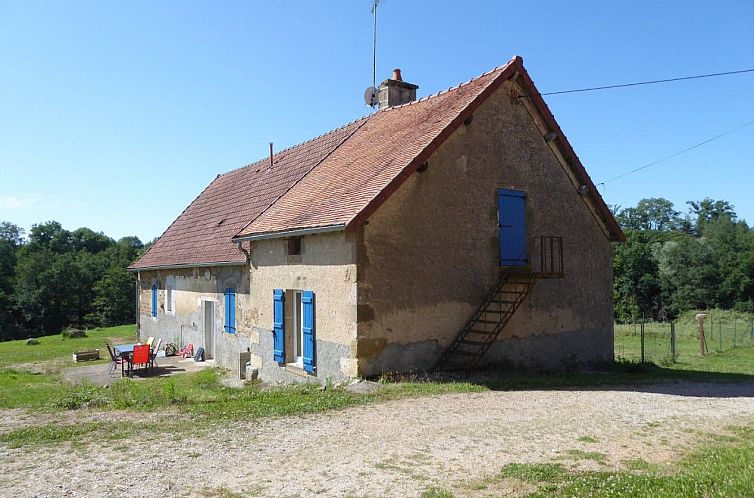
x=203 y=396
x=54 y=351
x=724 y=331
x=718 y=469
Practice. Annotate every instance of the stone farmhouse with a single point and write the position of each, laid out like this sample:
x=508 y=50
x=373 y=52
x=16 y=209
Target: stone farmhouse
x=453 y=231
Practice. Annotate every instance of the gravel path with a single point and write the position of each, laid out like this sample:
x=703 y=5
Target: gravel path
x=396 y=448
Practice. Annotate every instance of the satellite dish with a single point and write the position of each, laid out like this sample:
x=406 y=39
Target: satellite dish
x=370 y=96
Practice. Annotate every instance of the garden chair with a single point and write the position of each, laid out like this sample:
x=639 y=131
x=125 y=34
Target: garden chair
x=116 y=359
x=187 y=352
x=153 y=353
x=140 y=356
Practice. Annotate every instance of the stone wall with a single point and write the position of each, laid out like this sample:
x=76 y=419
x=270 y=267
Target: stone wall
x=185 y=323
x=326 y=266
x=429 y=255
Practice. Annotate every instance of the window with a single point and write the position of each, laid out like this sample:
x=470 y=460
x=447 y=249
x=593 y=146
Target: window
x=294 y=246
x=293 y=328
x=230 y=311
x=154 y=300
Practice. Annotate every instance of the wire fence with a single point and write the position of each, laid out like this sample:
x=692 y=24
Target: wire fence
x=669 y=342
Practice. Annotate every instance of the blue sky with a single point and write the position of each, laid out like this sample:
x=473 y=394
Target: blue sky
x=115 y=115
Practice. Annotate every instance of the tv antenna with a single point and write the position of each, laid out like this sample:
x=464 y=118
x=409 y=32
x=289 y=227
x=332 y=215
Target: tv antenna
x=370 y=94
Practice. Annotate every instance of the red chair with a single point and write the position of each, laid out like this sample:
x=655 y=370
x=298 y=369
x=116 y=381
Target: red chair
x=140 y=356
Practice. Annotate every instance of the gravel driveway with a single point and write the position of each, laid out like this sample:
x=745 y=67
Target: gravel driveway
x=396 y=448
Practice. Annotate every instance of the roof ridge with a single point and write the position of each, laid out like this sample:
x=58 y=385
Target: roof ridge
x=452 y=88
x=291 y=147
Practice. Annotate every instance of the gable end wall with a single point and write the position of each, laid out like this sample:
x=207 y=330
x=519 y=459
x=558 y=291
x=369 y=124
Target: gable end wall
x=429 y=255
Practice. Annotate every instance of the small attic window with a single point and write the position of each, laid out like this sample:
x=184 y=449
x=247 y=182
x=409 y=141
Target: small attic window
x=294 y=246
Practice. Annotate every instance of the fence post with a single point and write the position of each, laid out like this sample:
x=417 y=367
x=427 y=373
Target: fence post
x=720 y=333
x=735 y=322
x=642 y=340
x=672 y=340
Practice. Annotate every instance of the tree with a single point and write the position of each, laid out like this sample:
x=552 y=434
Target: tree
x=650 y=214
x=708 y=210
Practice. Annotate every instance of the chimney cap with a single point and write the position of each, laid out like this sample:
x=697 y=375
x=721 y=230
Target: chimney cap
x=397 y=75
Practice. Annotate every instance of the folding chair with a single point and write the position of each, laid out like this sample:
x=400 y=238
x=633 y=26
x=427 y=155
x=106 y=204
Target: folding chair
x=153 y=354
x=116 y=360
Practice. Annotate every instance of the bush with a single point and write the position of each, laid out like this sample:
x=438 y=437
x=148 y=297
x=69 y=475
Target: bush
x=73 y=333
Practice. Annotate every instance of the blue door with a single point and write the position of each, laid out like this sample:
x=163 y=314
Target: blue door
x=510 y=209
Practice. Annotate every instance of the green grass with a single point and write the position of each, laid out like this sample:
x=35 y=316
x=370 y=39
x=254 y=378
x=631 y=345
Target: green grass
x=54 y=351
x=716 y=470
x=203 y=399
x=725 y=330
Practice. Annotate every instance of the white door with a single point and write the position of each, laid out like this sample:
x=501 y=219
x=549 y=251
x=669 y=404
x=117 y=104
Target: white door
x=209 y=330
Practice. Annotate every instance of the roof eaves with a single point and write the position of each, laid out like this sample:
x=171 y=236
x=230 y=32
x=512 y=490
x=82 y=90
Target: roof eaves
x=293 y=232
x=185 y=265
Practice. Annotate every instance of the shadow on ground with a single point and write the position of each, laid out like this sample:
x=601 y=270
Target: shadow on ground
x=166 y=366
x=619 y=376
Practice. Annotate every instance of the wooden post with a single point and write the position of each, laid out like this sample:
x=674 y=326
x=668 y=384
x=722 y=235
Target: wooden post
x=700 y=318
x=642 y=340
x=720 y=333
x=672 y=340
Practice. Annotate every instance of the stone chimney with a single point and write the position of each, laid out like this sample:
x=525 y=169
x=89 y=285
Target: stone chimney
x=395 y=91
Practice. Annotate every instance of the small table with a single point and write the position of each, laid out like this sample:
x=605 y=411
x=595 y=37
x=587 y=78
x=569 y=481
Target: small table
x=125 y=351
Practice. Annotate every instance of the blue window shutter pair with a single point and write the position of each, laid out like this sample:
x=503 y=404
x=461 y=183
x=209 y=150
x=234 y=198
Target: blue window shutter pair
x=230 y=311
x=277 y=326
x=307 y=327
x=154 y=299
x=307 y=302
x=512 y=227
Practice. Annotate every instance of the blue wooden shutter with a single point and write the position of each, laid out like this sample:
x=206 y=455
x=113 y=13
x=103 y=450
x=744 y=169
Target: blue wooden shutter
x=278 y=326
x=510 y=205
x=307 y=328
x=154 y=299
x=230 y=311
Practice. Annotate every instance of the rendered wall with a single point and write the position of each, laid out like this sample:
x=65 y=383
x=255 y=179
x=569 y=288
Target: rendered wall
x=326 y=266
x=429 y=254
x=185 y=324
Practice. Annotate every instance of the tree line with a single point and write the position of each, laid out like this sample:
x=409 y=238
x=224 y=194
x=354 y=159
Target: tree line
x=673 y=262
x=54 y=278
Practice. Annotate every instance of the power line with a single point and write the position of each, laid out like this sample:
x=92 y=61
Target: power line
x=678 y=153
x=652 y=82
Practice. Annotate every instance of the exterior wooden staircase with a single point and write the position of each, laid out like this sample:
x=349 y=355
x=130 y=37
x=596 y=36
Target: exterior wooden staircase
x=488 y=321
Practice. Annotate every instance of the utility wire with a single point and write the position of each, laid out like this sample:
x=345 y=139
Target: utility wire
x=678 y=153
x=653 y=82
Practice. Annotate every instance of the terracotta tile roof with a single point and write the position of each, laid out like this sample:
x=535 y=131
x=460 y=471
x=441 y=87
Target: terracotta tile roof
x=340 y=178
x=358 y=172
x=202 y=233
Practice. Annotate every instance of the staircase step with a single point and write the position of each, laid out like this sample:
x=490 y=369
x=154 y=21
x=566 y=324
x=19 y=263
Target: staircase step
x=504 y=301
x=487 y=322
x=474 y=343
x=483 y=332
